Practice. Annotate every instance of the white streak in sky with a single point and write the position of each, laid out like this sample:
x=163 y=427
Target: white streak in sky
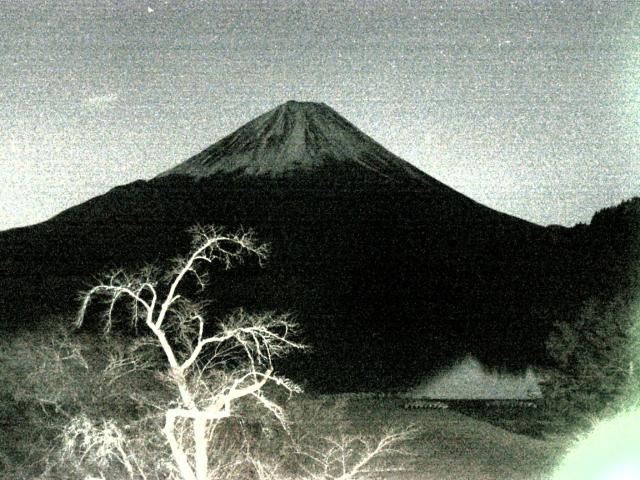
x=100 y=100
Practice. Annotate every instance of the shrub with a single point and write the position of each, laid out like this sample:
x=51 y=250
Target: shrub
x=593 y=360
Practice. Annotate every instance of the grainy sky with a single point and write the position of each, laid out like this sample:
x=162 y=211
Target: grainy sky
x=530 y=107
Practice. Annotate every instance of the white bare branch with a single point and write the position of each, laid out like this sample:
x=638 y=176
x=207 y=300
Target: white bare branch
x=350 y=457
x=211 y=244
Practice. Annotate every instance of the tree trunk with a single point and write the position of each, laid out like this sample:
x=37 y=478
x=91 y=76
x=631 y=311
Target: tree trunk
x=201 y=456
x=178 y=455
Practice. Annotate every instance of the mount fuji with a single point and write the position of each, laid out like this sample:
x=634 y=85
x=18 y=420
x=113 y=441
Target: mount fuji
x=391 y=273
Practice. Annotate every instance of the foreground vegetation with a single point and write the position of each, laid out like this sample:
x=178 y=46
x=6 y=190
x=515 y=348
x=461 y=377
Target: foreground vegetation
x=164 y=394
x=35 y=412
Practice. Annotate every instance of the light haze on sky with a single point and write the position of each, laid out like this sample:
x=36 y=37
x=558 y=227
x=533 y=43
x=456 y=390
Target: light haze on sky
x=529 y=107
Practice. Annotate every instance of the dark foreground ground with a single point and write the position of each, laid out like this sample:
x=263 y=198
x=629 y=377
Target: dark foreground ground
x=447 y=444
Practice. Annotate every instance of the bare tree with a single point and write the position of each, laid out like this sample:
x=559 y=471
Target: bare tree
x=194 y=361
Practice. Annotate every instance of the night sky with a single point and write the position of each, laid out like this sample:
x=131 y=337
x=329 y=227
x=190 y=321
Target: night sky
x=530 y=107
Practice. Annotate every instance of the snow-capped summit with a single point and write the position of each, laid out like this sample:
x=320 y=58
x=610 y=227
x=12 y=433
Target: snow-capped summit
x=296 y=136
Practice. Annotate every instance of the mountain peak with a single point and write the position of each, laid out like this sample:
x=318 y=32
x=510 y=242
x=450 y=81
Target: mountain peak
x=296 y=136
x=298 y=105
